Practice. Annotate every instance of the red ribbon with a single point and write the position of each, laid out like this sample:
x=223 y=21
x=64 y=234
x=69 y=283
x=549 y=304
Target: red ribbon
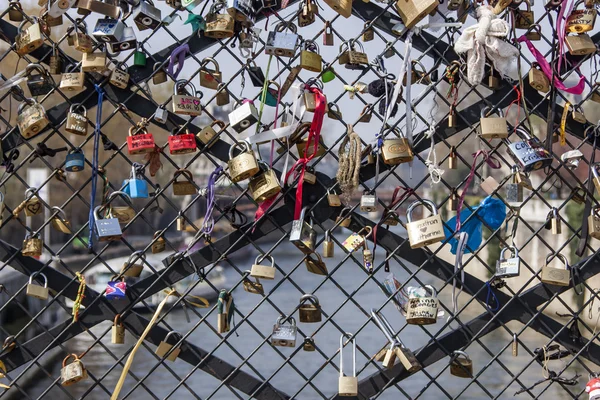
x=547 y=69
x=407 y=192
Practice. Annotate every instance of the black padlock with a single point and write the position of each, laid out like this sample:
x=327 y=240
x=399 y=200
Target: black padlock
x=256 y=75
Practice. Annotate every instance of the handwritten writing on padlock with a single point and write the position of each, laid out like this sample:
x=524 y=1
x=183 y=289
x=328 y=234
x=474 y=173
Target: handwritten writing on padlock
x=422 y=306
x=424 y=231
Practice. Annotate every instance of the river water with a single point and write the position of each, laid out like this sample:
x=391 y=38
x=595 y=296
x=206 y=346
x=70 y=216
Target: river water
x=161 y=382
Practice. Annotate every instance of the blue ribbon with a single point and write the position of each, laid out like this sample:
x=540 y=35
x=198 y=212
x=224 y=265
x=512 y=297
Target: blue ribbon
x=91 y=220
x=490 y=292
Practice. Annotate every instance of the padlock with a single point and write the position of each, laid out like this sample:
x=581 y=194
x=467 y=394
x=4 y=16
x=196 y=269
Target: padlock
x=328 y=38
x=108 y=30
x=368 y=201
x=29 y=39
x=15 y=11
x=97 y=6
x=185 y=103
x=164 y=347
x=310 y=59
x=33 y=205
x=119 y=78
x=264 y=185
x=389 y=358
x=355 y=59
x=327 y=76
x=593 y=387
x=452 y=159
x=72 y=81
x=413 y=11
x=302 y=234
x=317 y=266
x=184 y=188
x=556 y=276
x=595 y=97
x=580 y=44
x=133 y=268
x=514 y=191
x=537 y=79
x=39 y=84
x=452 y=204
x=252 y=287
x=422 y=310
x=348 y=385
x=578 y=194
x=581 y=19
x=146 y=16
x=244 y=165
x=284 y=335
x=210 y=78
x=578 y=115
x=301 y=146
x=426 y=231
x=553 y=222
x=280 y=43
x=309 y=176
x=32 y=246
x=291 y=78
x=75 y=160
x=328 y=245
x=59 y=221
x=310 y=102
x=309 y=344
x=306 y=16
x=333 y=199
x=493 y=127
x=344 y=219
x=37 y=291
x=208 y=134
x=263 y=271
x=31 y=118
x=219 y=25
x=94 y=62
x=571 y=158
x=128 y=42
x=107 y=229
x=342 y=7
x=357 y=239
x=243 y=116
x=59 y=7
x=594 y=167
x=181 y=224
x=159 y=244
x=366 y=113
x=115 y=288
x=256 y=74
x=118 y=331
x=241 y=10
x=524 y=19
x=368 y=32
x=140 y=141
x=77 y=123
x=182 y=142
x=396 y=151
x=222 y=97
x=73 y=372
x=508 y=267
x=391 y=218
x=398 y=350
x=454 y=5
x=161 y=114
x=461 y=365
x=367 y=258
x=136 y=187
x=81 y=41
x=529 y=154
x=452 y=118
x=309 y=309
x=159 y=76
x=55 y=63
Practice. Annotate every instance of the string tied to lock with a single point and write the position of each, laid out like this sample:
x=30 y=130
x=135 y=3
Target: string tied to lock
x=94 y=179
x=226 y=305
x=80 y=296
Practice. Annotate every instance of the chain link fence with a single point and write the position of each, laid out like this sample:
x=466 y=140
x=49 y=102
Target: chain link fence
x=171 y=309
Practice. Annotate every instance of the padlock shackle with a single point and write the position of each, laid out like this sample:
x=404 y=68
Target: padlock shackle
x=513 y=249
x=282 y=26
x=243 y=144
x=379 y=322
x=303 y=213
x=425 y=203
x=172 y=333
x=208 y=60
x=560 y=257
x=32 y=190
x=184 y=172
x=352 y=340
x=260 y=258
x=77 y=106
x=432 y=290
x=283 y=318
x=457 y=353
x=182 y=84
x=35 y=67
x=59 y=211
x=309 y=297
x=117 y=320
x=485 y=112
x=116 y=193
x=75 y=358
x=140 y=256
x=35 y=275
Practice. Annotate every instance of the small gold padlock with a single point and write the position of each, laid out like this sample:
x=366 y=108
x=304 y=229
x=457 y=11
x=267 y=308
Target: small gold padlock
x=264 y=185
x=73 y=372
x=37 y=291
x=524 y=18
x=553 y=222
x=556 y=276
x=396 y=151
x=181 y=224
x=263 y=271
x=208 y=134
x=328 y=245
x=29 y=39
x=310 y=59
x=333 y=199
x=344 y=219
x=452 y=159
x=537 y=79
x=118 y=331
x=184 y=187
x=252 y=287
x=33 y=205
x=210 y=78
x=94 y=62
x=461 y=365
x=580 y=44
x=413 y=11
x=244 y=165
x=426 y=231
x=134 y=265
x=594 y=223
x=368 y=32
x=309 y=309
x=59 y=221
x=159 y=244
x=164 y=347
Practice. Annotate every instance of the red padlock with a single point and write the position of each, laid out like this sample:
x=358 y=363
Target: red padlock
x=593 y=388
x=140 y=141
x=182 y=143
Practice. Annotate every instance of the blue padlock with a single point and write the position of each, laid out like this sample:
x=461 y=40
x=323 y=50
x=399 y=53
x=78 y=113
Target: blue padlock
x=75 y=161
x=136 y=188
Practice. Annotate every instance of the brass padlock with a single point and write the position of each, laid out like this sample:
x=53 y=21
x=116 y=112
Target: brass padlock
x=306 y=16
x=119 y=78
x=94 y=62
x=580 y=44
x=461 y=365
x=356 y=59
x=333 y=199
x=222 y=95
x=368 y=32
x=29 y=39
x=37 y=291
x=310 y=59
x=328 y=38
x=396 y=151
x=309 y=175
x=219 y=25
x=210 y=78
x=310 y=102
x=59 y=221
x=31 y=118
x=537 y=79
x=317 y=266
x=164 y=347
x=413 y=11
x=342 y=7
x=159 y=245
x=309 y=344
x=493 y=127
x=524 y=19
x=328 y=245
x=208 y=134
x=426 y=231
x=73 y=372
x=595 y=97
x=33 y=205
x=124 y=214
x=263 y=186
x=556 y=276
x=534 y=33
x=252 y=287
x=244 y=165
x=159 y=76
x=594 y=223
x=366 y=114
x=80 y=40
x=181 y=224
x=77 y=123
x=581 y=19
x=344 y=219
x=118 y=331
x=311 y=311
x=15 y=11
x=596 y=177
x=452 y=159
x=348 y=385
x=186 y=103
x=55 y=63
x=184 y=188
x=72 y=81
x=263 y=271
x=553 y=221
x=134 y=265
x=452 y=204
x=334 y=111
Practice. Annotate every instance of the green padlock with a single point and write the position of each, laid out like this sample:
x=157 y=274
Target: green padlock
x=139 y=58
x=272 y=94
x=328 y=75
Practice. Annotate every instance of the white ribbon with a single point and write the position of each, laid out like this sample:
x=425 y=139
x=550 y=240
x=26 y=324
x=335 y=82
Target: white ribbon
x=14 y=81
x=463 y=237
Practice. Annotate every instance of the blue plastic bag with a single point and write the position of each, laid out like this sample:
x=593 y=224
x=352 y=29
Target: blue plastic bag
x=491 y=210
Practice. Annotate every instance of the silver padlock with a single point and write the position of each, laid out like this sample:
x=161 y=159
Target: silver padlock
x=107 y=229
x=161 y=114
x=37 y=291
x=529 y=154
x=508 y=267
x=302 y=235
x=571 y=158
x=128 y=41
x=280 y=43
x=146 y=16
x=244 y=116
x=241 y=10
x=108 y=30
x=348 y=385
x=284 y=335
x=514 y=191
x=368 y=202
